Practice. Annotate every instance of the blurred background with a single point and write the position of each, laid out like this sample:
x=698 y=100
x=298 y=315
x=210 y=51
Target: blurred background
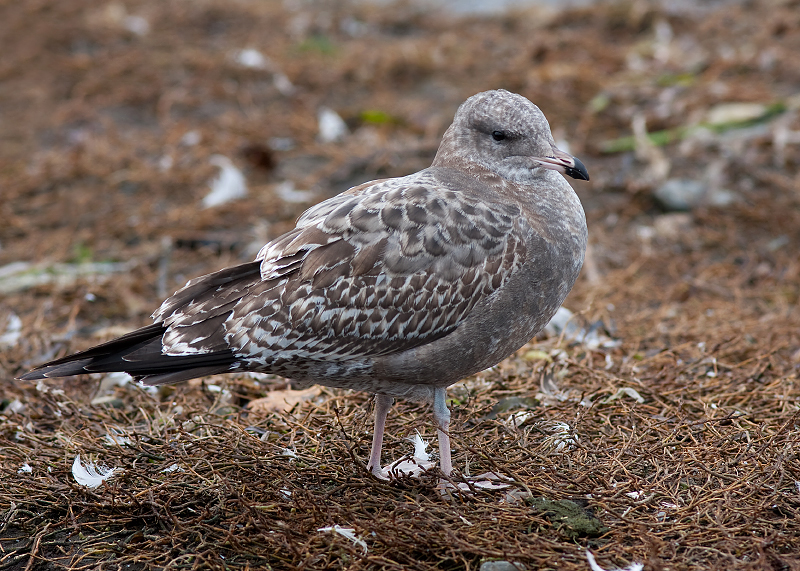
x=119 y=120
x=143 y=143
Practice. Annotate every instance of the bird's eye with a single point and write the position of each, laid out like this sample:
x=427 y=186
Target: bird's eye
x=498 y=135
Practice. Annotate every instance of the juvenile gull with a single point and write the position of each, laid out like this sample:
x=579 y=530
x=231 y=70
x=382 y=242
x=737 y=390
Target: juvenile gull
x=400 y=287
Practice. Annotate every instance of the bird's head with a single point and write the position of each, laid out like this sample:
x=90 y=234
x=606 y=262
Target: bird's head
x=508 y=135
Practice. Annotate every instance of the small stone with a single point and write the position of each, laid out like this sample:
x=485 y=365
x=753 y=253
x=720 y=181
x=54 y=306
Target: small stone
x=680 y=194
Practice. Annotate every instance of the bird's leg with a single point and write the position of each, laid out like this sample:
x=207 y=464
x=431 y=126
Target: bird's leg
x=442 y=416
x=383 y=403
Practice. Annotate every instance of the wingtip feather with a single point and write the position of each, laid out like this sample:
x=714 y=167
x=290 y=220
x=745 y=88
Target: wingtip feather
x=57 y=370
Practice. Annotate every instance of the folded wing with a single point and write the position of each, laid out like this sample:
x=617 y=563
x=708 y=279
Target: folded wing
x=387 y=268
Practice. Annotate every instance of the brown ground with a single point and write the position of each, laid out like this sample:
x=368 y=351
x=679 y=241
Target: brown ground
x=703 y=473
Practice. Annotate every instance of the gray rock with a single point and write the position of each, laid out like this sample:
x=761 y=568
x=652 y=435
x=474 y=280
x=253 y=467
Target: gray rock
x=681 y=194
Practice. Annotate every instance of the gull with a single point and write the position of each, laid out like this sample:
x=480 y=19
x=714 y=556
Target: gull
x=400 y=286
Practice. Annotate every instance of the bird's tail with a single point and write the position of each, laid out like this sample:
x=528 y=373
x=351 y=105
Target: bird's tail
x=140 y=353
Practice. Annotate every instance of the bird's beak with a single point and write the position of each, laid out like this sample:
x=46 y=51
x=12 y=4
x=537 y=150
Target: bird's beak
x=565 y=164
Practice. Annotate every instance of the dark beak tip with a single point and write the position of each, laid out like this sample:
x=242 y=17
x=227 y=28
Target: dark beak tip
x=578 y=171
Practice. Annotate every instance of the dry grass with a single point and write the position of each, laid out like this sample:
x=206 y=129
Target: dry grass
x=701 y=472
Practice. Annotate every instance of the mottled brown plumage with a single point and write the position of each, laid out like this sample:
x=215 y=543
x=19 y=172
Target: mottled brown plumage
x=400 y=287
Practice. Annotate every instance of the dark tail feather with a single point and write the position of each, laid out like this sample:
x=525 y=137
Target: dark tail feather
x=137 y=353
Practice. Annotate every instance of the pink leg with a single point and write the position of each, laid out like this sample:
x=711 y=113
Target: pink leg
x=383 y=403
x=441 y=415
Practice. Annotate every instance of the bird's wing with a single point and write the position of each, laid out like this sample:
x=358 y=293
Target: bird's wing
x=382 y=269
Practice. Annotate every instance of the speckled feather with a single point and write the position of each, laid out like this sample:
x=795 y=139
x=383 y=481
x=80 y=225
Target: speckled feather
x=400 y=286
x=387 y=266
x=382 y=269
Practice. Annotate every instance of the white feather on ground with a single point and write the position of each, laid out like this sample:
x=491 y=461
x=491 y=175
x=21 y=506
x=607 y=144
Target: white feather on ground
x=347 y=532
x=595 y=567
x=13 y=331
x=331 y=126
x=229 y=185
x=90 y=475
x=417 y=464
